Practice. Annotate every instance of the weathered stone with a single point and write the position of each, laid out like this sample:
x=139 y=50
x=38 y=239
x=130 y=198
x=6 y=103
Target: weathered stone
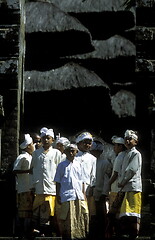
x=9 y=43
x=10 y=4
x=144 y=65
x=145 y=33
x=145 y=3
x=1 y=106
x=9 y=66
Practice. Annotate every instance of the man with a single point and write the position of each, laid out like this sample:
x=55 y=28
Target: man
x=44 y=163
x=23 y=185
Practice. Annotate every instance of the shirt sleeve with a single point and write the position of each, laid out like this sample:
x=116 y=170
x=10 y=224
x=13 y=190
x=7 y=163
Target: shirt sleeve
x=21 y=164
x=132 y=168
x=57 y=177
x=93 y=174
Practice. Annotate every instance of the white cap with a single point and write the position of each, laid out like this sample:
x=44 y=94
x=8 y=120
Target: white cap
x=63 y=140
x=28 y=140
x=84 y=135
x=45 y=131
x=118 y=140
x=131 y=133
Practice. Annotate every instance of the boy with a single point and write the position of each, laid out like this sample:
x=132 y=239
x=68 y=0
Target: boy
x=69 y=183
x=23 y=184
x=88 y=164
x=44 y=163
x=131 y=183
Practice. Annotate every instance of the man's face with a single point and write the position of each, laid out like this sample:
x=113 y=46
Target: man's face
x=85 y=145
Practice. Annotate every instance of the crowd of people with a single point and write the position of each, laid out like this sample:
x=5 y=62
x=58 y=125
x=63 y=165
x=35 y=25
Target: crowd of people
x=67 y=188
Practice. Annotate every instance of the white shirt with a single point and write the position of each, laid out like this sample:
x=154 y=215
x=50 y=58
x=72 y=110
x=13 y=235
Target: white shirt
x=63 y=157
x=69 y=175
x=103 y=173
x=116 y=168
x=23 y=162
x=131 y=170
x=88 y=163
x=44 y=169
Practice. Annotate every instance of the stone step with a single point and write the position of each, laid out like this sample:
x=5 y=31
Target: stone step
x=37 y=238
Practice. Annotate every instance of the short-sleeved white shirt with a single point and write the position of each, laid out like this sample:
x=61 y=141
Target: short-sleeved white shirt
x=23 y=162
x=88 y=163
x=131 y=166
x=116 y=168
x=103 y=173
x=44 y=169
x=69 y=175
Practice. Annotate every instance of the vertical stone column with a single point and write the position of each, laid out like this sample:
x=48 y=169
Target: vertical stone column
x=12 y=54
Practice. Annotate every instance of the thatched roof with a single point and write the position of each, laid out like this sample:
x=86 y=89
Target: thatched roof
x=46 y=17
x=51 y=32
x=116 y=46
x=69 y=76
x=89 y=6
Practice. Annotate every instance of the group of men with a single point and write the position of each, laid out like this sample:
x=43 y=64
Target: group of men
x=68 y=189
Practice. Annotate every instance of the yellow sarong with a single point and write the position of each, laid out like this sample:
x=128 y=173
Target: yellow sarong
x=41 y=198
x=131 y=205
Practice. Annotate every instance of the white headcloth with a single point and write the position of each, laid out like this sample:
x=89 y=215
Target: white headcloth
x=45 y=131
x=131 y=133
x=72 y=145
x=63 y=140
x=26 y=142
x=118 y=140
x=84 y=135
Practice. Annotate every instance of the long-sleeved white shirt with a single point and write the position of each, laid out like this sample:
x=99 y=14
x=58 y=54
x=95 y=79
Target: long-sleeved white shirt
x=88 y=164
x=23 y=180
x=130 y=171
x=44 y=169
x=69 y=175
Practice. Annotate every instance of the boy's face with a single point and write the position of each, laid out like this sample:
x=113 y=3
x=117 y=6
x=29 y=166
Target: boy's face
x=47 y=141
x=71 y=153
x=30 y=148
x=118 y=148
x=85 y=145
x=130 y=142
x=37 y=142
x=60 y=147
